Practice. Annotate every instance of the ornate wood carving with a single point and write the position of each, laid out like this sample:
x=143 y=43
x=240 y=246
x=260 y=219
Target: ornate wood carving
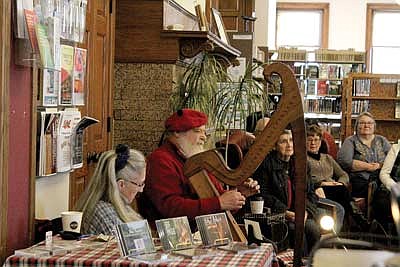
x=289 y=112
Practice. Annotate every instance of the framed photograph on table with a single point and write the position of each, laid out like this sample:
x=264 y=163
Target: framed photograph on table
x=219 y=23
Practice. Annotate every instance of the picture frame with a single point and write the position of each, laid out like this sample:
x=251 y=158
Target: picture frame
x=220 y=27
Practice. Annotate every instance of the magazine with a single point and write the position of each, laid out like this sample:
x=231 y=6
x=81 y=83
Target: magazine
x=214 y=229
x=175 y=233
x=134 y=238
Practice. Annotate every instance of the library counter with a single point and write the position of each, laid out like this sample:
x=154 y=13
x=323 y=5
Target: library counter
x=110 y=256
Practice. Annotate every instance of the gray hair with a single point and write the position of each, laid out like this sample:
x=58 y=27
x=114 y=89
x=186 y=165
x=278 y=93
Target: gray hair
x=103 y=185
x=363 y=114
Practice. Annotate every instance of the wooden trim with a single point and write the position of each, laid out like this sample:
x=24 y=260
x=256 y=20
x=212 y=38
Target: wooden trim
x=111 y=85
x=324 y=7
x=371 y=8
x=5 y=35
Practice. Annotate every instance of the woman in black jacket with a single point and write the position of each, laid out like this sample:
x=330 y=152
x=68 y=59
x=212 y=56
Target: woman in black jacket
x=275 y=176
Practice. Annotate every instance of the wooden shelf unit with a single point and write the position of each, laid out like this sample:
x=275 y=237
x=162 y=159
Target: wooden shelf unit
x=382 y=99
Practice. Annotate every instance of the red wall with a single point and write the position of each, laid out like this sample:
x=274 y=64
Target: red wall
x=19 y=153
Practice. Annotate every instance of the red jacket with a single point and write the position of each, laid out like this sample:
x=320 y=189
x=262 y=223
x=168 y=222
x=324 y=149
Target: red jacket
x=168 y=192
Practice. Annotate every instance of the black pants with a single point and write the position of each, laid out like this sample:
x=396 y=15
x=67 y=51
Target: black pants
x=381 y=207
x=340 y=194
x=311 y=236
x=359 y=187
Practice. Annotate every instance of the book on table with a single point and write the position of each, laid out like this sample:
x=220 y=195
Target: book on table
x=176 y=237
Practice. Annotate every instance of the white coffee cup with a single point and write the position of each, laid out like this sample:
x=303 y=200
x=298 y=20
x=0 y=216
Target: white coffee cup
x=257 y=206
x=71 y=221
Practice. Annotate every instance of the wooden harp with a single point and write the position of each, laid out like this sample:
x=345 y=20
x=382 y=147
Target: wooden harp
x=289 y=112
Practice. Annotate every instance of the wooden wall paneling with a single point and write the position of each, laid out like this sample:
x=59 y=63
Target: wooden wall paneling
x=137 y=34
x=5 y=28
x=100 y=44
x=232 y=12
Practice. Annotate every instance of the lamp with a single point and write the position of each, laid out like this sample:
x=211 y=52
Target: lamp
x=327 y=223
x=395 y=192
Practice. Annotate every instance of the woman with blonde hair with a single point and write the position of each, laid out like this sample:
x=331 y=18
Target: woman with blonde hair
x=106 y=202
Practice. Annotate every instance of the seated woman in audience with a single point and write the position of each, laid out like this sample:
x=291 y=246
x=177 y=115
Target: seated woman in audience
x=389 y=176
x=275 y=176
x=118 y=177
x=362 y=154
x=327 y=176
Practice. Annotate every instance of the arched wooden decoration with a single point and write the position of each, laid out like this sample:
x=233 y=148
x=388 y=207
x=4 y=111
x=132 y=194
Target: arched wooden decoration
x=289 y=112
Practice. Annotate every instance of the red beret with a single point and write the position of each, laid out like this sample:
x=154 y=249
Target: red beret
x=185 y=119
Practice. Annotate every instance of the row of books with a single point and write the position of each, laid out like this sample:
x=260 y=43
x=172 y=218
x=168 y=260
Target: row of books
x=326 y=71
x=361 y=87
x=65 y=87
x=359 y=106
x=323 y=87
x=135 y=240
x=323 y=105
x=60 y=140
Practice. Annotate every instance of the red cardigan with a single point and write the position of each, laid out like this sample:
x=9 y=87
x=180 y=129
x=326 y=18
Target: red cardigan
x=168 y=192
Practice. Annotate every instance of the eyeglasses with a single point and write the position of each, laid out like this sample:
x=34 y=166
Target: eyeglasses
x=366 y=123
x=134 y=183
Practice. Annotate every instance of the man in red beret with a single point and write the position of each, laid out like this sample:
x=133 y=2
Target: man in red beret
x=168 y=192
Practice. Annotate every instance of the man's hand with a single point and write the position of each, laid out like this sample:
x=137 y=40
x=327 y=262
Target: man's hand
x=249 y=187
x=231 y=200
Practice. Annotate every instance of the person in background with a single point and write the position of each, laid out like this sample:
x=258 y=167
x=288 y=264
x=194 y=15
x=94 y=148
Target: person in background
x=329 y=179
x=389 y=176
x=328 y=145
x=362 y=155
x=168 y=192
x=276 y=178
x=118 y=177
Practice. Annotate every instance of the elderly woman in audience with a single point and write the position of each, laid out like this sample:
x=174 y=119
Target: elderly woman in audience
x=118 y=177
x=276 y=176
x=362 y=155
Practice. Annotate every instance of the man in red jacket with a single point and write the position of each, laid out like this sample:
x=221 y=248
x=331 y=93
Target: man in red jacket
x=168 y=192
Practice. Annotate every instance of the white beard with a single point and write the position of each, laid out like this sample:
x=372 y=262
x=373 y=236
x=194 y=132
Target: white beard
x=188 y=150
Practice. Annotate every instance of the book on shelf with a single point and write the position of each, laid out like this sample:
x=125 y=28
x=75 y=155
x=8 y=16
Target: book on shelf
x=31 y=20
x=134 y=238
x=50 y=84
x=19 y=23
x=48 y=129
x=67 y=66
x=240 y=248
x=313 y=71
x=214 y=229
x=78 y=93
x=398 y=89
x=311 y=87
x=322 y=87
x=175 y=233
x=77 y=140
x=69 y=119
x=46 y=57
x=53 y=32
x=397 y=111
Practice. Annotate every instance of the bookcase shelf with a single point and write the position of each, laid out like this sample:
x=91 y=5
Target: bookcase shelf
x=377 y=94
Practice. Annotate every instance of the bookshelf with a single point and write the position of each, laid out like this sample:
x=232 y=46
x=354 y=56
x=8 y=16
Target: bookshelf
x=320 y=75
x=378 y=94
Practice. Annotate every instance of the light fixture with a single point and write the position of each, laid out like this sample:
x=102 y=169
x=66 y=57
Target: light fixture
x=395 y=192
x=327 y=223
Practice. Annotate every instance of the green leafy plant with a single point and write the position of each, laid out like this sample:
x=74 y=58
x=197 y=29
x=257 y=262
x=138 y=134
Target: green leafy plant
x=206 y=86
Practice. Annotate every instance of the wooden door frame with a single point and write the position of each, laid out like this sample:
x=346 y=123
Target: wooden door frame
x=5 y=40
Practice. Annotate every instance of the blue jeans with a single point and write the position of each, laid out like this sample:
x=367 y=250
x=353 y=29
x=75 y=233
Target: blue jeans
x=339 y=213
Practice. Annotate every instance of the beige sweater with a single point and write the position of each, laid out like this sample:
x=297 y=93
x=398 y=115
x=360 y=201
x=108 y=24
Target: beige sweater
x=326 y=170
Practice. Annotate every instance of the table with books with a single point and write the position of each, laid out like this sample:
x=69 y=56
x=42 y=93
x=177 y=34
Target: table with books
x=108 y=254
